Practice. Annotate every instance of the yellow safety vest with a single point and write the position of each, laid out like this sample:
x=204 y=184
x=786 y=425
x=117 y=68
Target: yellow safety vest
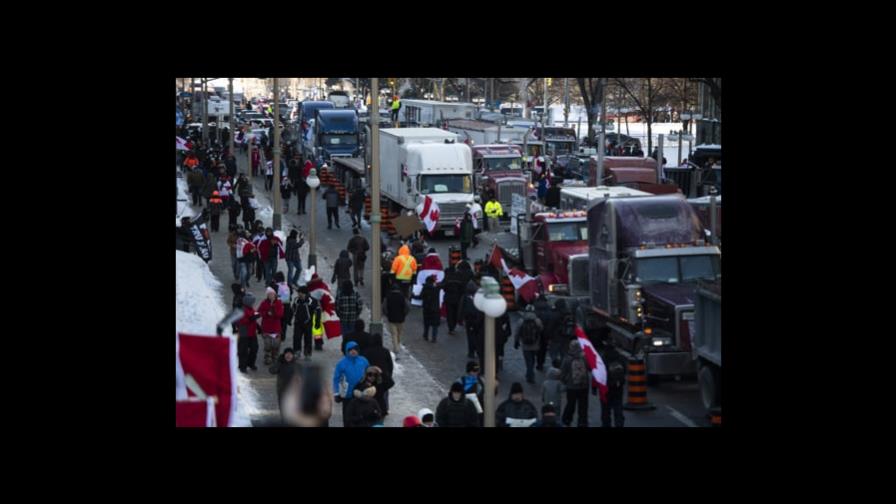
x=493 y=209
x=317 y=329
x=405 y=272
x=396 y=104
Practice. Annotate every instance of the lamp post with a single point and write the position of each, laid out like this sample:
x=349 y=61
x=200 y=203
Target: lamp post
x=278 y=203
x=313 y=183
x=376 y=325
x=489 y=300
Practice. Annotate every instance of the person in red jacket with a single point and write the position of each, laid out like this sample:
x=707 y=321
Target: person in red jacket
x=270 y=249
x=271 y=310
x=247 y=343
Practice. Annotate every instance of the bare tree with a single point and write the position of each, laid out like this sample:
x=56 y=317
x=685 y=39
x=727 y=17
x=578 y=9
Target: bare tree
x=647 y=95
x=592 y=88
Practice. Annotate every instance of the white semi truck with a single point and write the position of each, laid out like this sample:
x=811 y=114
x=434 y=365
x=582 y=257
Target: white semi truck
x=420 y=162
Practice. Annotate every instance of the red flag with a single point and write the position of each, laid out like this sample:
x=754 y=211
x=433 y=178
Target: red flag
x=211 y=361
x=194 y=412
x=598 y=369
x=428 y=211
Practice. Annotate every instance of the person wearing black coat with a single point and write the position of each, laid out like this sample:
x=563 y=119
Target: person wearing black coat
x=474 y=321
x=305 y=307
x=454 y=294
x=397 y=308
x=543 y=313
x=515 y=408
x=285 y=368
x=377 y=355
x=615 y=385
x=342 y=270
x=356 y=205
x=431 y=309
x=552 y=196
x=302 y=192
x=456 y=410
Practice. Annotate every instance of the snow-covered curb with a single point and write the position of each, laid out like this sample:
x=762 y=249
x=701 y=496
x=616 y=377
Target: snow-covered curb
x=198 y=308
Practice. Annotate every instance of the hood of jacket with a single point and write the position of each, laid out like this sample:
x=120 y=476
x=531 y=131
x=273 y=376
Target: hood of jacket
x=343 y=254
x=404 y=251
x=553 y=374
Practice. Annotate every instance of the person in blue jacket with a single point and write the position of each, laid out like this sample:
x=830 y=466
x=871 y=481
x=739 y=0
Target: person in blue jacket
x=352 y=368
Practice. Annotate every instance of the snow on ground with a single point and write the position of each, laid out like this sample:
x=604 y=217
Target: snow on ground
x=183 y=207
x=198 y=308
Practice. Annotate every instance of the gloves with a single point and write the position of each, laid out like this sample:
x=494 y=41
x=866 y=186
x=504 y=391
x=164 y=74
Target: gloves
x=338 y=398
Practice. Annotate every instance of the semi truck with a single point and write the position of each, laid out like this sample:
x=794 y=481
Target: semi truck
x=482 y=132
x=419 y=162
x=498 y=169
x=707 y=332
x=425 y=113
x=333 y=133
x=645 y=258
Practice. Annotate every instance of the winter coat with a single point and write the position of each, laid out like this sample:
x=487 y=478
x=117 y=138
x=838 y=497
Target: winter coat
x=539 y=329
x=352 y=369
x=234 y=209
x=451 y=413
x=358 y=247
x=610 y=355
x=432 y=262
x=301 y=187
x=237 y=296
x=431 y=308
x=510 y=409
x=574 y=353
x=466 y=231
x=379 y=356
x=397 y=307
x=216 y=204
x=552 y=389
x=195 y=179
x=342 y=268
x=303 y=311
x=248 y=327
x=362 y=412
x=356 y=202
x=332 y=197
x=292 y=249
x=454 y=289
x=285 y=372
x=398 y=265
x=271 y=316
x=348 y=307
x=552 y=196
x=266 y=247
x=210 y=185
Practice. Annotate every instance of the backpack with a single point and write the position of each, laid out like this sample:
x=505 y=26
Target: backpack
x=529 y=333
x=616 y=373
x=578 y=375
x=569 y=327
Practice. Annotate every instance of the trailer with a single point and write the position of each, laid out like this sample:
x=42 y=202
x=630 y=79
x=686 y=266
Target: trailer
x=426 y=113
x=707 y=334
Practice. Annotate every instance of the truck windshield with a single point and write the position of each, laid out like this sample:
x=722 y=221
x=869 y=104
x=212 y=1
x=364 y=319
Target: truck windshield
x=338 y=140
x=677 y=269
x=502 y=164
x=567 y=231
x=435 y=184
x=560 y=148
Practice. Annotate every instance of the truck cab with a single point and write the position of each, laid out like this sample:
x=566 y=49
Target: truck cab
x=498 y=168
x=646 y=256
x=559 y=141
x=335 y=134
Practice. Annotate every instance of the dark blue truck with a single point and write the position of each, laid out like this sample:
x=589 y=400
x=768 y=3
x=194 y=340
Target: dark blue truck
x=334 y=133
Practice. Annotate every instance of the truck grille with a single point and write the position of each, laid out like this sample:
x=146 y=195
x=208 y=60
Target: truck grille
x=506 y=190
x=682 y=177
x=578 y=279
x=452 y=210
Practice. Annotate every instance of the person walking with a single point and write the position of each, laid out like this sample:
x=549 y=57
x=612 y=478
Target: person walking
x=530 y=334
x=576 y=377
x=271 y=310
x=356 y=205
x=431 y=309
x=307 y=312
x=332 y=197
x=358 y=248
x=397 y=308
x=293 y=259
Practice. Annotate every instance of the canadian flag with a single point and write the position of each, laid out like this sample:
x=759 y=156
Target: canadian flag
x=598 y=369
x=194 y=412
x=210 y=361
x=432 y=266
x=182 y=144
x=429 y=213
x=318 y=289
x=524 y=284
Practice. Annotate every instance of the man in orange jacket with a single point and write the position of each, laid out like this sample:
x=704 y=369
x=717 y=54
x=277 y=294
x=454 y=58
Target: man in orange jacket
x=403 y=267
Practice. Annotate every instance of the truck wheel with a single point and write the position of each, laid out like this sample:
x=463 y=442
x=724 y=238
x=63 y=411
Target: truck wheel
x=710 y=389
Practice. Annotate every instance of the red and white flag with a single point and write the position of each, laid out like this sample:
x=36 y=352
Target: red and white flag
x=182 y=144
x=211 y=362
x=524 y=284
x=428 y=211
x=318 y=289
x=598 y=369
x=194 y=412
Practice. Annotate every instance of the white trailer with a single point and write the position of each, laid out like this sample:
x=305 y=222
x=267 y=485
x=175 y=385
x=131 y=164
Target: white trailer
x=483 y=133
x=425 y=113
x=419 y=162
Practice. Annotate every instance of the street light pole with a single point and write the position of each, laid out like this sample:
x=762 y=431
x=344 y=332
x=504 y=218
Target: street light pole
x=313 y=182
x=376 y=325
x=603 y=133
x=566 y=102
x=204 y=111
x=278 y=204
x=489 y=301
x=232 y=132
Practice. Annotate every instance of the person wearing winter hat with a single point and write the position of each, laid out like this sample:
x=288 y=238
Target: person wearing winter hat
x=350 y=368
x=378 y=356
x=427 y=417
x=216 y=207
x=411 y=421
x=516 y=411
x=247 y=341
x=307 y=312
x=271 y=310
x=548 y=417
x=456 y=410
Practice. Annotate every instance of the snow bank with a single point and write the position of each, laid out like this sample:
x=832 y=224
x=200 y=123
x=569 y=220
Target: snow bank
x=183 y=207
x=198 y=308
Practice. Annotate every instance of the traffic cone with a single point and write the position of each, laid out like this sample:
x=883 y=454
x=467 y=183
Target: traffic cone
x=637 y=386
x=508 y=293
x=367 y=208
